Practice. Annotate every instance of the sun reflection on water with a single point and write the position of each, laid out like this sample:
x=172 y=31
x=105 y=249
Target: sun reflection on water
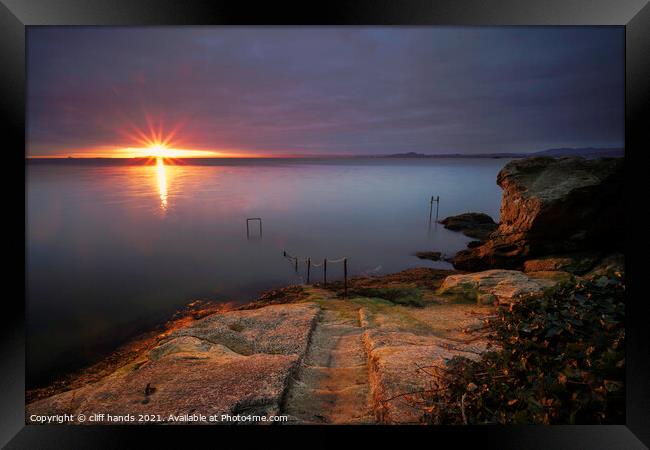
x=161 y=172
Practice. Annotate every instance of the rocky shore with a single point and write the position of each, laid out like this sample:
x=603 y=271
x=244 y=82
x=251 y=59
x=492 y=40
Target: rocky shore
x=312 y=354
x=566 y=208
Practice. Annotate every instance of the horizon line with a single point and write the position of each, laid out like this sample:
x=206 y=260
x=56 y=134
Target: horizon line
x=298 y=156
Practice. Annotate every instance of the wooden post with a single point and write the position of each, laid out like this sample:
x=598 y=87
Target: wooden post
x=325 y=272
x=437 y=208
x=430 y=208
x=308 y=268
x=345 y=277
x=296 y=264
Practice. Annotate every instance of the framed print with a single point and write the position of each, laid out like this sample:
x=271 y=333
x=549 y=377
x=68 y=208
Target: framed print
x=370 y=220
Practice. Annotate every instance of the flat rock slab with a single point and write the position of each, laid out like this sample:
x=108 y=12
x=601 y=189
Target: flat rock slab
x=408 y=349
x=195 y=371
x=404 y=366
x=276 y=329
x=502 y=286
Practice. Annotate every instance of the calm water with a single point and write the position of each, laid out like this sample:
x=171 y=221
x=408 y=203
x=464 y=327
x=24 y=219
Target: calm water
x=114 y=249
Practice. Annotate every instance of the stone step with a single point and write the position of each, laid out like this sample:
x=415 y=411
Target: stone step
x=335 y=357
x=332 y=378
x=347 y=357
x=339 y=329
x=330 y=406
x=331 y=385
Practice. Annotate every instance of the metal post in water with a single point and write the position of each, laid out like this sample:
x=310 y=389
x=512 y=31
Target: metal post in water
x=308 y=268
x=437 y=200
x=259 y=219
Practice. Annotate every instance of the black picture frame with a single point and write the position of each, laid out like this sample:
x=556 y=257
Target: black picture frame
x=16 y=15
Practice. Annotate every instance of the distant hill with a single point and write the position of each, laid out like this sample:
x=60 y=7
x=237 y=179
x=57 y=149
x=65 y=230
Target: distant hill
x=586 y=152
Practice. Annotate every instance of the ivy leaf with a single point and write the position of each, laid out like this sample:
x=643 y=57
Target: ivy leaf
x=554 y=331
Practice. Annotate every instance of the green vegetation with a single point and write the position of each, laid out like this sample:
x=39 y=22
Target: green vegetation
x=398 y=296
x=561 y=361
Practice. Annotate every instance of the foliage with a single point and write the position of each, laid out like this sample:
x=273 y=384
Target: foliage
x=561 y=361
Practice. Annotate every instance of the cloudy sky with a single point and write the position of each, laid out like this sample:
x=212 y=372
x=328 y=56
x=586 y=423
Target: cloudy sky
x=355 y=90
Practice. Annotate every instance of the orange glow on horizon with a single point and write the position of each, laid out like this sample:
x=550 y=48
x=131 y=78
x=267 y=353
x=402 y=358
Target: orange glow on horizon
x=145 y=152
x=155 y=143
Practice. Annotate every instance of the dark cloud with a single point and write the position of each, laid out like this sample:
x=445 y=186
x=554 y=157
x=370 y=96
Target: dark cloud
x=328 y=90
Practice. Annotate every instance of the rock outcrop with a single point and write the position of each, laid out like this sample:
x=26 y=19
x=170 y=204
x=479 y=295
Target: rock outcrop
x=433 y=256
x=552 y=206
x=476 y=225
x=501 y=286
x=578 y=264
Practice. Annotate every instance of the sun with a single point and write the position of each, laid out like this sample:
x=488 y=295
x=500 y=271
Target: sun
x=158 y=151
x=154 y=142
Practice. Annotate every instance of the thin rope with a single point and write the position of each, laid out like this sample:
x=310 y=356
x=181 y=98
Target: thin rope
x=337 y=260
x=295 y=258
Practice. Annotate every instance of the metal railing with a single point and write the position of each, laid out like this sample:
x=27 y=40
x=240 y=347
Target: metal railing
x=310 y=264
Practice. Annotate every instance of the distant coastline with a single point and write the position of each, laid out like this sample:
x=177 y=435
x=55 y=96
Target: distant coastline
x=585 y=152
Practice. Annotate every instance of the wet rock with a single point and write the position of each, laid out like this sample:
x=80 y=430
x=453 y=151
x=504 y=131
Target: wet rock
x=433 y=256
x=552 y=206
x=476 y=225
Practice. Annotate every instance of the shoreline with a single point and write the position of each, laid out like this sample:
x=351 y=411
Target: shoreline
x=133 y=348
x=127 y=351
x=381 y=346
